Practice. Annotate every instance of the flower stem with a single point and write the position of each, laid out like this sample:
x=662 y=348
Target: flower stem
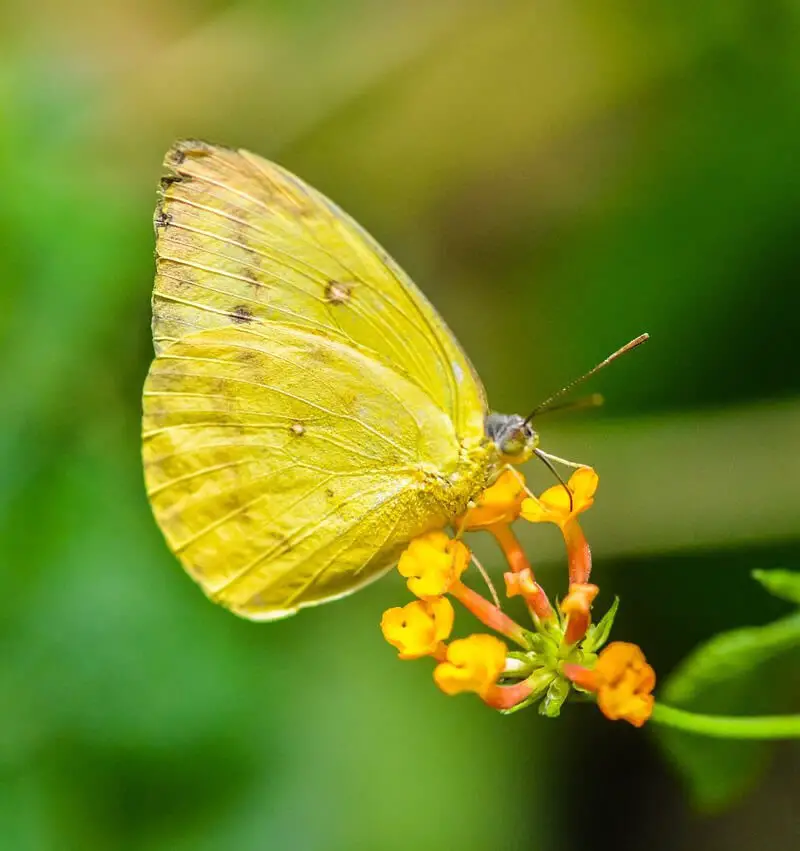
x=579 y=555
x=512 y=550
x=506 y=697
x=728 y=726
x=488 y=614
x=538 y=604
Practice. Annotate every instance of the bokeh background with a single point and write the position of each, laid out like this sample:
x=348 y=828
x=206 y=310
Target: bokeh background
x=558 y=176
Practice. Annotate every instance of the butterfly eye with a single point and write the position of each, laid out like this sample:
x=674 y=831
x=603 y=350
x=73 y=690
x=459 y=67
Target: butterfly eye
x=519 y=442
x=514 y=438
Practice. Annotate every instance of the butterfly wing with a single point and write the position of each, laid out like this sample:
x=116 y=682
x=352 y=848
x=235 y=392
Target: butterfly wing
x=242 y=241
x=308 y=412
x=285 y=468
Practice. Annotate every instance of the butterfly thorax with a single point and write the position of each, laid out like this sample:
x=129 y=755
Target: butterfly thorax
x=445 y=494
x=473 y=472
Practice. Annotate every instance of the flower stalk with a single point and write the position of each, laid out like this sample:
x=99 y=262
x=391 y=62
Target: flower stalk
x=745 y=727
x=489 y=614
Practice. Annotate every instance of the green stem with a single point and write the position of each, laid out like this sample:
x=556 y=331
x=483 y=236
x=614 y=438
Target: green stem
x=728 y=726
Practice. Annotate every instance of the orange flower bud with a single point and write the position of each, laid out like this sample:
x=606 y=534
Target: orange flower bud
x=419 y=628
x=577 y=605
x=473 y=664
x=579 y=599
x=523 y=584
x=432 y=563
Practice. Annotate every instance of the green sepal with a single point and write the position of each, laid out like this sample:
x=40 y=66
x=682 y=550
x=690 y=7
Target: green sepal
x=558 y=692
x=780 y=583
x=537 y=642
x=597 y=634
x=539 y=680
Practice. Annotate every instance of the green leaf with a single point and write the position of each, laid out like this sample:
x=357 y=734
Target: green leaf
x=729 y=657
x=740 y=672
x=780 y=583
x=597 y=635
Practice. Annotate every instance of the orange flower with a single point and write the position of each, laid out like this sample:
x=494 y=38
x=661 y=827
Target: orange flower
x=473 y=664
x=432 y=563
x=622 y=680
x=553 y=505
x=523 y=584
x=499 y=503
x=577 y=605
x=579 y=599
x=419 y=628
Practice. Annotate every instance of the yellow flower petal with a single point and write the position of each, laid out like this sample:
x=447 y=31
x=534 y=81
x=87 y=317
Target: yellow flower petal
x=419 y=628
x=553 y=506
x=432 y=563
x=473 y=664
x=536 y=512
x=499 y=503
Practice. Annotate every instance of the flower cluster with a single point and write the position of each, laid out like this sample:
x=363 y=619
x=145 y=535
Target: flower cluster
x=560 y=653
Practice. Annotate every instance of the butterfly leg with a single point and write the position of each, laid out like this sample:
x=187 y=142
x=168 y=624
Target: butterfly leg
x=464 y=520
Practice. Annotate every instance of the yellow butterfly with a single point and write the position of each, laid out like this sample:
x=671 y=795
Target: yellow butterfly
x=308 y=412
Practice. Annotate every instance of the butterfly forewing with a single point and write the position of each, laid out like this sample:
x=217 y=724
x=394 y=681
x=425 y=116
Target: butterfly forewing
x=240 y=240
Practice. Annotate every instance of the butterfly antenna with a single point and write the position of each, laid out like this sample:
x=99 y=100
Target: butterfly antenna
x=594 y=400
x=612 y=357
x=542 y=456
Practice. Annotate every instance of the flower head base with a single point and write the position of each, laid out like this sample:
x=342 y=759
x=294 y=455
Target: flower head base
x=432 y=563
x=420 y=628
x=473 y=664
x=499 y=503
x=553 y=506
x=622 y=680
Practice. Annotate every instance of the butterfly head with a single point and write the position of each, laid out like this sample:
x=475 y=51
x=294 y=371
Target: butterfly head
x=514 y=437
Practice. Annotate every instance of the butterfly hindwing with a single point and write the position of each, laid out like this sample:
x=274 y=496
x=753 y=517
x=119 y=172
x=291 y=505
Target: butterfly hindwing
x=271 y=468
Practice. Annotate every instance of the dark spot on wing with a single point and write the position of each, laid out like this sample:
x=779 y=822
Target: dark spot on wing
x=283 y=543
x=242 y=313
x=175 y=156
x=247 y=357
x=188 y=148
x=169 y=179
x=250 y=274
x=338 y=292
x=329 y=493
x=162 y=218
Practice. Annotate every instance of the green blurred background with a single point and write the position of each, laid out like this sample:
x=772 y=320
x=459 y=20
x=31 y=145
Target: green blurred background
x=558 y=176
